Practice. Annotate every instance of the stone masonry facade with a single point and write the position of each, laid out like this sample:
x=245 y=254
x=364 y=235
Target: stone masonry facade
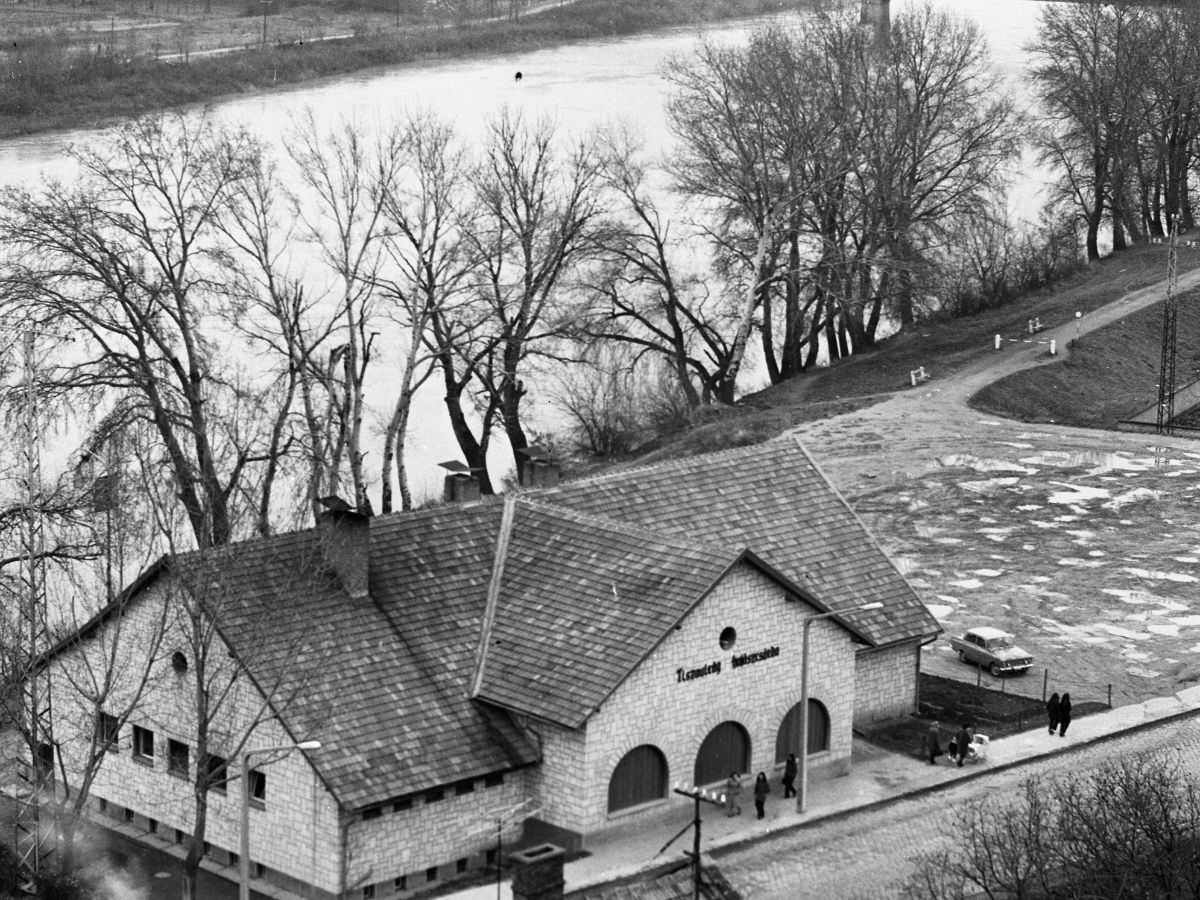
x=886 y=682
x=294 y=830
x=654 y=706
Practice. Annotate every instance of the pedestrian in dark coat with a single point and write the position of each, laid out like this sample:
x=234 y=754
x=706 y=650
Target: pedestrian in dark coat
x=933 y=742
x=962 y=741
x=1053 y=710
x=1064 y=714
x=789 y=776
x=761 y=789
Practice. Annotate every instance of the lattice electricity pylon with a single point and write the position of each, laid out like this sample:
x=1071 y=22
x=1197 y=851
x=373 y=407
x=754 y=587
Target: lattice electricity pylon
x=35 y=774
x=1166 y=371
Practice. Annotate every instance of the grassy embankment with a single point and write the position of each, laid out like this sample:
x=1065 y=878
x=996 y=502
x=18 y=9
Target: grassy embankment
x=103 y=93
x=1111 y=376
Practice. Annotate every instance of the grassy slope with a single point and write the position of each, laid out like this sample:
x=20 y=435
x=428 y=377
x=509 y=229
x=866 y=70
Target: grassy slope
x=144 y=85
x=1113 y=376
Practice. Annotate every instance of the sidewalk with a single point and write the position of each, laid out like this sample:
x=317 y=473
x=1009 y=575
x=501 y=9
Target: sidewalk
x=877 y=777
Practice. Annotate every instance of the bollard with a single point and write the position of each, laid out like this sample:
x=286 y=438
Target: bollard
x=1110 y=695
x=997 y=342
x=1052 y=347
x=978 y=674
x=1045 y=679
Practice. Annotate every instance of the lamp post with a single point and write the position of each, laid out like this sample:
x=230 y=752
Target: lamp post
x=244 y=858
x=698 y=794
x=802 y=793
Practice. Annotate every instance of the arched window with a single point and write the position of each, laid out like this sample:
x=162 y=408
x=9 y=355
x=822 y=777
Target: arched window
x=788 y=739
x=640 y=776
x=725 y=750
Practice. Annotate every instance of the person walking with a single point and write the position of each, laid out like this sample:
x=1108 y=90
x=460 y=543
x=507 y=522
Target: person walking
x=933 y=742
x=962 y=741
x=790 y=769
x=733 y=795
x=1064 y=714
x=1053 y=708
x=761 y=788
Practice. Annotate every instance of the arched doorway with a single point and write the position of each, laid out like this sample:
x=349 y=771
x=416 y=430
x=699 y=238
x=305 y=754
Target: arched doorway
x=640 y=776
x=788 y=739
x=725 y=750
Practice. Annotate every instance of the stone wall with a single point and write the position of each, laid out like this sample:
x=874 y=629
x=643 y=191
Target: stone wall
x=886 y=682
x=659 y=705
x=294 y=832
x=425 y=833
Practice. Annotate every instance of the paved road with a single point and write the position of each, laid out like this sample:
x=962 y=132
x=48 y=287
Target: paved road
x=870 y=854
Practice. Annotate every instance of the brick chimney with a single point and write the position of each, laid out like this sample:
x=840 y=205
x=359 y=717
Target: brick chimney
x=346 y=544
x=461 y=484
x=538 y=873
x=539 y=469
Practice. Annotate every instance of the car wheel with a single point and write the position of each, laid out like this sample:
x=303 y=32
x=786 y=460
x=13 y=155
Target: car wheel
x=962 y=656
x=994 y=668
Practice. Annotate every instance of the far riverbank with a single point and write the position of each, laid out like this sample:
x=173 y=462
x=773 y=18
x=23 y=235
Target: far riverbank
x=102 y=91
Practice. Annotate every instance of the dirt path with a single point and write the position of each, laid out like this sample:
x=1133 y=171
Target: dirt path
x=1083 y=542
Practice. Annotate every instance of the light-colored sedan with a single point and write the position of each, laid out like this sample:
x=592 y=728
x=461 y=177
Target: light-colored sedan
x=991 y=648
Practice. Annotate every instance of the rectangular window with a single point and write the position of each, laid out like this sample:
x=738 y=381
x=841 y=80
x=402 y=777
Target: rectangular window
x=153 y=825
x=464 y=787
x=128 y=814
x=373 y=813
x=431 y=873
x=217 y=768
x=401 y=883
x=462 y=866
x=402 y=805
x=108 y=732
x=435 y=795
x=143 y=744
x=258 y=787
x=368 y=892
x=494 y=780
x=177 y=757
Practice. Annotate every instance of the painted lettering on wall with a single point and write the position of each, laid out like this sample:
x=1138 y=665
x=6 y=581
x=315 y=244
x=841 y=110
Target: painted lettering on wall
x=736 y=662
x=746 y=659
x=712 y=668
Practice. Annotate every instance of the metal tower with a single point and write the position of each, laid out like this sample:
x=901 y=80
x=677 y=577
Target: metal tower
x=1166 y=373
x=35 y=774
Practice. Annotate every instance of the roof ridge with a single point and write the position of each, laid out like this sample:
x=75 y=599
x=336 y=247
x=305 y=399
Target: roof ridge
x=622 y=527
x=676 y=463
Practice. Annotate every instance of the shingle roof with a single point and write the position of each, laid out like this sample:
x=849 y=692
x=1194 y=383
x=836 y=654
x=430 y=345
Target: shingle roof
x=772 y=498
x=581 y=602
x=594 y=574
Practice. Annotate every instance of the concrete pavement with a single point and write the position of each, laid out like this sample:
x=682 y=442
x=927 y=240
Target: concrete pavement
x=877 y=778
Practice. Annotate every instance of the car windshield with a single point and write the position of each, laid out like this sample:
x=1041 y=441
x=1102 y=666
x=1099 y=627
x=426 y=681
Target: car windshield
x=1000 y=642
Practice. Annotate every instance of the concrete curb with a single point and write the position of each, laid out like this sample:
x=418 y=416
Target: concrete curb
x=741 y=842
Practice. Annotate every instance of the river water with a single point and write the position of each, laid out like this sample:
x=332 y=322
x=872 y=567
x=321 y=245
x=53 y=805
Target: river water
x=580 y=86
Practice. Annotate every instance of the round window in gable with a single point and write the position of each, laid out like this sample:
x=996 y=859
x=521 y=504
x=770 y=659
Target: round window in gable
x=728 y=638
x=179 y=662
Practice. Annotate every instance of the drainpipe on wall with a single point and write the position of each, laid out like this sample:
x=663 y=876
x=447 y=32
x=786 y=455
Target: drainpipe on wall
x=343 y=841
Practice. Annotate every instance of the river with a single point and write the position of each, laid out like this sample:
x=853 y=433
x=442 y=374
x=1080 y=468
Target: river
x=579 y=86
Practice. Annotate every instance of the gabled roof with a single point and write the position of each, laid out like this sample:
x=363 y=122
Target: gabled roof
x=412 y=685
x=772 y=498
x=581 y=602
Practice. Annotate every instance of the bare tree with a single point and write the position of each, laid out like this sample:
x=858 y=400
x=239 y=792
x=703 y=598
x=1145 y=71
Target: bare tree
x=125 y=260
x=535 y=224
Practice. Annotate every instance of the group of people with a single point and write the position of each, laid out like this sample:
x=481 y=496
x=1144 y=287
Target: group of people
x=762 y=787
x=960 y=744
x=1059 y=712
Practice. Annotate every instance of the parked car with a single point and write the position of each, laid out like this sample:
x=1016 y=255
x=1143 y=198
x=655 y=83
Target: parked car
x=991 y=648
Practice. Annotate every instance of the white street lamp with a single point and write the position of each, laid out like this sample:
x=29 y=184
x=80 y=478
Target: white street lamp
x=802 y=793
x=244 y=858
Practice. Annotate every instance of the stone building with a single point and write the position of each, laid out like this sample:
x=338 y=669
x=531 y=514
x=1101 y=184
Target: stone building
x=581 y=646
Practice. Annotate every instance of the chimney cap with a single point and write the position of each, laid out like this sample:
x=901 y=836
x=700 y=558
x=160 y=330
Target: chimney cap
x=335 y=503
x=453 y=465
